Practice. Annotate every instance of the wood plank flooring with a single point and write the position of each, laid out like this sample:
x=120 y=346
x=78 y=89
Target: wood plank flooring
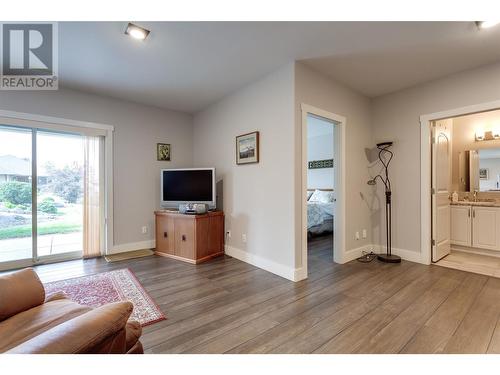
x=227 y=306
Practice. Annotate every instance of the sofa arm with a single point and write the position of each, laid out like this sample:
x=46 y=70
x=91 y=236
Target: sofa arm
x=99 y=330
x=20 y=291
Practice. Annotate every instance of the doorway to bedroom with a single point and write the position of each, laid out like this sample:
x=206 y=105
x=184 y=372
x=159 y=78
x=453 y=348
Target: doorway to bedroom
x=320 y=189
x=323 y=191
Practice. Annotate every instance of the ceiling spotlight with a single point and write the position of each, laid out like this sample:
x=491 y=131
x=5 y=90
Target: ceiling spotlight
x=486 y=24
x=136 y=32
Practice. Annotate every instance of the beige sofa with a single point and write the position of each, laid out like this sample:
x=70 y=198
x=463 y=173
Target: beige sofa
x=30 y=323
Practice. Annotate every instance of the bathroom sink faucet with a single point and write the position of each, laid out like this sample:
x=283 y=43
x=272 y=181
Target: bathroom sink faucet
x=475 y=195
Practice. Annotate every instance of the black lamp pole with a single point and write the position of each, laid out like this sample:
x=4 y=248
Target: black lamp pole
x=388 y=257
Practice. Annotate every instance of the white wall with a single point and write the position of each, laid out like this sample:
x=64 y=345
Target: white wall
x=464 y=138
x=396 y=117
x=264 y=200
x=315 y=89
x=319 y=147
x=137 y=130
x=258 y=198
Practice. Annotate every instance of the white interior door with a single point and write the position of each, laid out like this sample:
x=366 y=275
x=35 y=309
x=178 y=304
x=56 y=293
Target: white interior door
x=441 y=181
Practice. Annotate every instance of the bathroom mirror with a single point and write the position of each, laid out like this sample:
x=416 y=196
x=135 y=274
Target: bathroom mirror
x=479 y=170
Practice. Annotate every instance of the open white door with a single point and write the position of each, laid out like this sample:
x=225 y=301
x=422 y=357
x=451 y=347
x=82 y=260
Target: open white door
x=441 y=159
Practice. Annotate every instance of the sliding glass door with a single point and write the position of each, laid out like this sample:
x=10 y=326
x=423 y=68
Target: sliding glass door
x=59 y=168
x=51 y=201
x=16 y=218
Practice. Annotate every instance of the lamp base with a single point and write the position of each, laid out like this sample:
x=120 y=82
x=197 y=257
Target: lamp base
x=389 y=258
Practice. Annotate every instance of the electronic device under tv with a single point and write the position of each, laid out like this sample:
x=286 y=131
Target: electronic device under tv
x=191 y=190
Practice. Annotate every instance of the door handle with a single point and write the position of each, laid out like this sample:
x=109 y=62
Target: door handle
x=165 y=234
x=473 y=213
x=184 y=237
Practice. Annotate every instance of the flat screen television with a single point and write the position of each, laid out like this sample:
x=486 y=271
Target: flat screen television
x=192 y=185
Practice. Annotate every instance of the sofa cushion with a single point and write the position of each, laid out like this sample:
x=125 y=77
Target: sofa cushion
x=19 y=291
x=101 y=330
x=33 y=322
x=134 y=332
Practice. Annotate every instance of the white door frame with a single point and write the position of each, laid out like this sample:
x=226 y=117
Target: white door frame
x=41 y=121
x=426 y=168
x=339 y=182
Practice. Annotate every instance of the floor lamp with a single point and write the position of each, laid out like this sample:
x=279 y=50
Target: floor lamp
x=388 y=257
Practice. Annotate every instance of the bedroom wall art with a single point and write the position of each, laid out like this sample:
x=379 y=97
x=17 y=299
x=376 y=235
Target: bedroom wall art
x=317 y=164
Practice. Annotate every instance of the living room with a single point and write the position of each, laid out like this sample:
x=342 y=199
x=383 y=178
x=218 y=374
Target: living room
x=154 y=195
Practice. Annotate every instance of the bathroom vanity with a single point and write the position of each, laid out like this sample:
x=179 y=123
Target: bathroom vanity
x=475 y=225
x=475 y=218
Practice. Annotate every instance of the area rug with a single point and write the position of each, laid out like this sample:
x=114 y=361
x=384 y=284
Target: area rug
x=114 y=286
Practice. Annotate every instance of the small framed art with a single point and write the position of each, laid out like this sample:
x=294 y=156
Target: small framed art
x=484 y=174
x=163 y=151
x=247 y=148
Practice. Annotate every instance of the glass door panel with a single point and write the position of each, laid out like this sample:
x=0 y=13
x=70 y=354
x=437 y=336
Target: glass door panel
x=60 y=162
x=15 y=194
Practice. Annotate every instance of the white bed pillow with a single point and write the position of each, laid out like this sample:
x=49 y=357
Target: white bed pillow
x=322 y=196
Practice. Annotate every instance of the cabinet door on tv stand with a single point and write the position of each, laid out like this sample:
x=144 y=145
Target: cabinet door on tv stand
x=184 y=237
x=165 y=235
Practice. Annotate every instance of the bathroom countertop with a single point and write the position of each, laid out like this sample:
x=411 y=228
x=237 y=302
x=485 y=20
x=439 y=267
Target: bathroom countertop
x=483 y=203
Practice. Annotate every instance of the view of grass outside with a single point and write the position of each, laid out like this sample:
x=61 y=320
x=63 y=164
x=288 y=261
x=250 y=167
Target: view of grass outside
x=59 y=194
x=25 y=230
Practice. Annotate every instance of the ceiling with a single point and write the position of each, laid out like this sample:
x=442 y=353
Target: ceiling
x=187 y=66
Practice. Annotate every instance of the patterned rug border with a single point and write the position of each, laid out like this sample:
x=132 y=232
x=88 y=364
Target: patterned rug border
x=148 y=297
x=142 y=290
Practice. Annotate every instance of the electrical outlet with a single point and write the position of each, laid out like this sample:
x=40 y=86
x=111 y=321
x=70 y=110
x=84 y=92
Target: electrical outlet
x=228 y=233
x=244 y=238
x=357 y=235
x=364 y=233
x=144 y=230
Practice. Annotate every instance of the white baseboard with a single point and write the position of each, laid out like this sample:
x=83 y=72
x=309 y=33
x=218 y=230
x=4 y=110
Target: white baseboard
x=131 y=246
x=266 y=264
x=411 y=256
x=300 y=274
x=472 y=250
x=356 y=253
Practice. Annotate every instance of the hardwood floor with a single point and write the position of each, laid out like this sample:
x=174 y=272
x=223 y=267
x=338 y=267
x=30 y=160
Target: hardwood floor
x=227 y=306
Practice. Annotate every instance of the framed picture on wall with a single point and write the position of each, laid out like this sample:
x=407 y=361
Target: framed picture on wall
x=247 y=148
x=163 y=151
x=484 y=173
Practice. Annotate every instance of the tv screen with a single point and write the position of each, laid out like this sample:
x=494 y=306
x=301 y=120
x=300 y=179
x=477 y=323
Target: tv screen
x=188 y=185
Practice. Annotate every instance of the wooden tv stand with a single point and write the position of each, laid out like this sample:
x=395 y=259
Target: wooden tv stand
x=190 y=238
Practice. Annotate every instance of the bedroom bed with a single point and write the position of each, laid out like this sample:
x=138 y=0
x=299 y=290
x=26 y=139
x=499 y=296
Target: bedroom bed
x=320 y=211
